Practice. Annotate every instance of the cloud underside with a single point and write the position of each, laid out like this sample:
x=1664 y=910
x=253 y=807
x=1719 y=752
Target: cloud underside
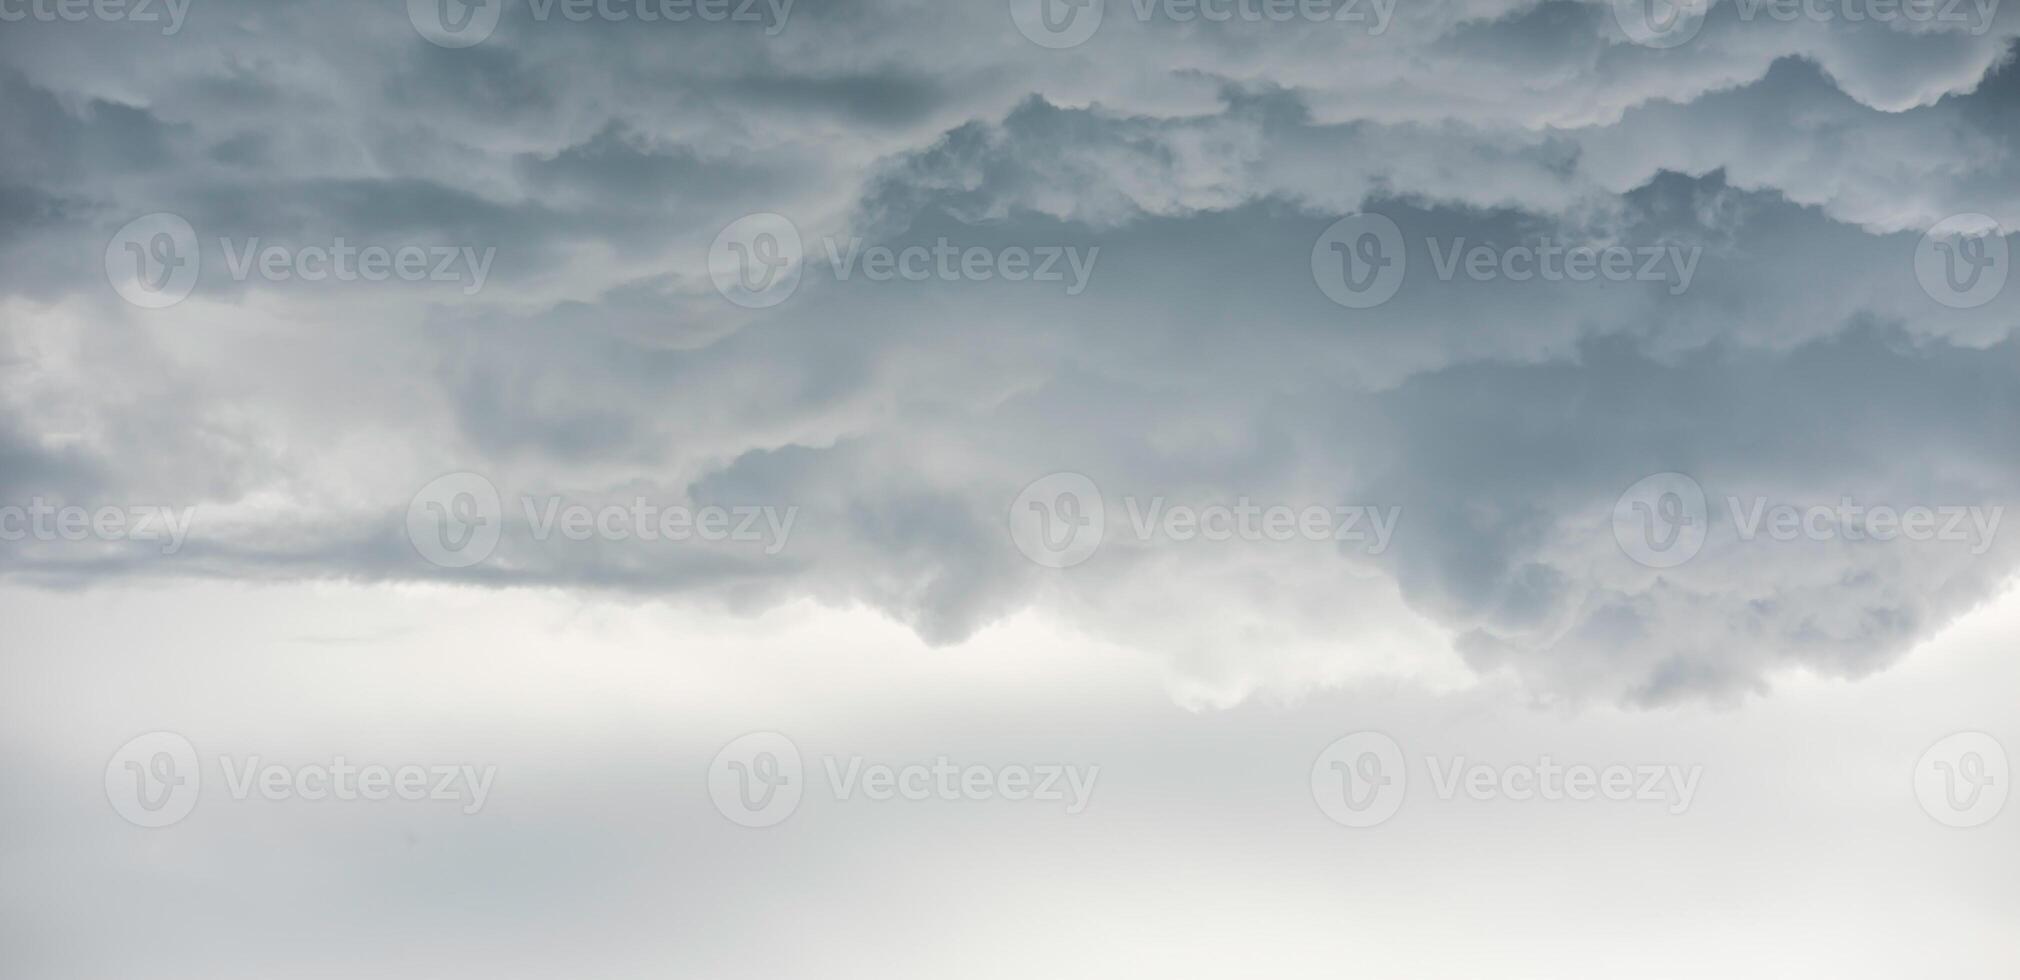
x=1800 y=163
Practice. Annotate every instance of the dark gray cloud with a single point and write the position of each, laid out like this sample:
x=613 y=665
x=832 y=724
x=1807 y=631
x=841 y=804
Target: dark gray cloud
x=1796 y=165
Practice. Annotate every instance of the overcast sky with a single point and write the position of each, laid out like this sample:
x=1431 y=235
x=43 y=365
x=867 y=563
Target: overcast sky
x=1178 y=389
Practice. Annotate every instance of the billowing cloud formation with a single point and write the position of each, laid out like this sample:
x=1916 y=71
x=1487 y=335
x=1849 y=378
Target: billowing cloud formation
x=1767 y=185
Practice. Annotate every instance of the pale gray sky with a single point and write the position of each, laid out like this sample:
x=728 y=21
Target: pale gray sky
x=1183 y=389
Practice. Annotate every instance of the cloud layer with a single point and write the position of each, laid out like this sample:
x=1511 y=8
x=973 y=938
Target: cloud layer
x=1793 y=167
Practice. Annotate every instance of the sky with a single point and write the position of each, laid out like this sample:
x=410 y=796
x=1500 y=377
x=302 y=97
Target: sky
x=770 y=488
